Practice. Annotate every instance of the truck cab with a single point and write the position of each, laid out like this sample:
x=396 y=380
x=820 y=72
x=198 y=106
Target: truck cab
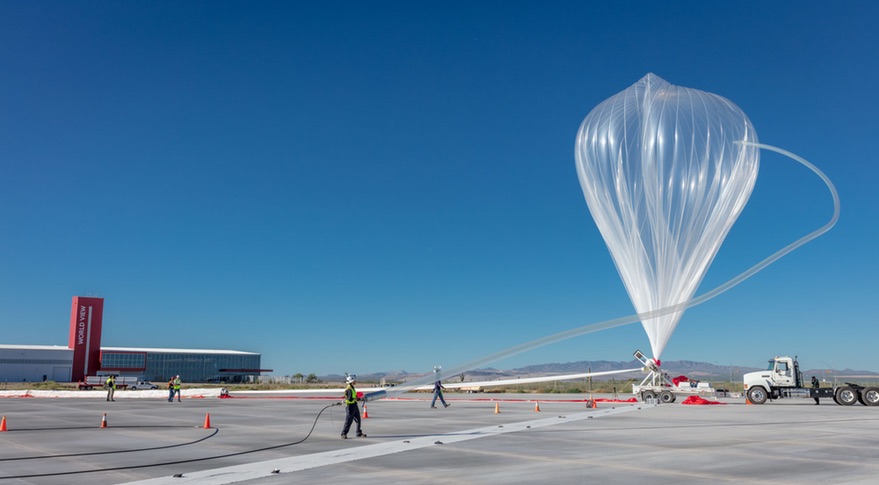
x=781 y=373
x=785 y=372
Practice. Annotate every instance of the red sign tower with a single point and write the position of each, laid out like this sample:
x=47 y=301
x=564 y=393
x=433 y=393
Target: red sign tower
x=86 y=316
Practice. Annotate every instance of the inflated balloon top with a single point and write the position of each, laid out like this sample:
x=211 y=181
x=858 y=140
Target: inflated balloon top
x=666 y=171
x=665 y=180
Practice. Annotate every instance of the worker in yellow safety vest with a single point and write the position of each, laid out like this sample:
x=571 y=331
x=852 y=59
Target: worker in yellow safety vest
x=111 y=387
x=352 y=411
x=174 y=388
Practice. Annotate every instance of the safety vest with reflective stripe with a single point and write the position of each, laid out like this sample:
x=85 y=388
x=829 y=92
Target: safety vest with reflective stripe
x=350 y=397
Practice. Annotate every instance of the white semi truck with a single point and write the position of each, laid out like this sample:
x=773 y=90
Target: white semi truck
x=783 y=379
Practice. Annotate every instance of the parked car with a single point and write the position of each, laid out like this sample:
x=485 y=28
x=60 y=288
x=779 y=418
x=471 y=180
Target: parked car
x=142 y=385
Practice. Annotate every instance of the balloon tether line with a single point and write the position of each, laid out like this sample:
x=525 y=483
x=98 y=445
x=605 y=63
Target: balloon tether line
x=618 y=322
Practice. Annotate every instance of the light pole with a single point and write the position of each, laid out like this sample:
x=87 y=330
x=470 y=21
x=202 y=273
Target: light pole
x=826 y=371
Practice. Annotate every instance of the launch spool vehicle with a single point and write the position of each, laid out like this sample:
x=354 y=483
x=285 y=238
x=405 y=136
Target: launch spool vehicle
x=658 y=385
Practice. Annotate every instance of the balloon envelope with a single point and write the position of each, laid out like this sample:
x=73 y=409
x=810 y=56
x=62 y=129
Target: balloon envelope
x=665 y=181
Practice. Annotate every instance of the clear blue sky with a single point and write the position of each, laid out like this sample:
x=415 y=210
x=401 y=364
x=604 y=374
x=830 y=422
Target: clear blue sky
x=376 y=186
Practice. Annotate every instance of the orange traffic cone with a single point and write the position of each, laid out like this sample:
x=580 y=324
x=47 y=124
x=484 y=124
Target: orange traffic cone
x=3 y=424
x=537 y=407
x=104 y=421
x=748 y=401
x=594 y=404
x=365 y=413
x=497 y=408
x=207 y=421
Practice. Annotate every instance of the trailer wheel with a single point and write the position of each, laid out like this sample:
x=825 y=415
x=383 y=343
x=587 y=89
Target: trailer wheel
x=667 y=397
x=846 y=396
x=648 y=395
x=869 y=396
x=757 y=395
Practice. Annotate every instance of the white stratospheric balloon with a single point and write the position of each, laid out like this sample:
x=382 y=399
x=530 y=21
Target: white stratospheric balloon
x=666 y=171
x=665 y=180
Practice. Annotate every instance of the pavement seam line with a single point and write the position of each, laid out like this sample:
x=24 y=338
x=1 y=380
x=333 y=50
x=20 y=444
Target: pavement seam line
x=256 y=470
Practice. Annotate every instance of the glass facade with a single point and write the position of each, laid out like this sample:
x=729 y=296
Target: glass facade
x=123 y=361
x=190 y=365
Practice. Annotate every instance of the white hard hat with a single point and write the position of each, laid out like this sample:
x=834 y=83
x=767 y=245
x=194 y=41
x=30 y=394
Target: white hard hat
x=351 y=379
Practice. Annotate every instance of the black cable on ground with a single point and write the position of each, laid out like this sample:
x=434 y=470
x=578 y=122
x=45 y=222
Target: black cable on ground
x=68 y=455
x=178 y=462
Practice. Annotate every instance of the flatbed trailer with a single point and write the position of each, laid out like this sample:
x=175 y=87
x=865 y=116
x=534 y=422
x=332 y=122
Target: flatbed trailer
x=98 y=382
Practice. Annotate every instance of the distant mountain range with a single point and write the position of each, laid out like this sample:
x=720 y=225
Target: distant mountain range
x=695 y=370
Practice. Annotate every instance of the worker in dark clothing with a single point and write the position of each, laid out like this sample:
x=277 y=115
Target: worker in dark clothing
x=352 y=410
x=438 y=393
x=816 y=385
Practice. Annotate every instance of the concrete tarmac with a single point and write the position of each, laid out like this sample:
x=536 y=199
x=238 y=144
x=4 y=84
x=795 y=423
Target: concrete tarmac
x=253 y=440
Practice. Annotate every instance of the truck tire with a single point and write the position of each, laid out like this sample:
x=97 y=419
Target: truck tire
x=757 y=395
x=648 y=395
x=869 y=396
x=846 y=396
x=667 y=397
x=133 y=388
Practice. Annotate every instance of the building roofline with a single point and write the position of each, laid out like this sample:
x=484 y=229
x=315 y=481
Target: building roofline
x=34 y=347
x=176 y=351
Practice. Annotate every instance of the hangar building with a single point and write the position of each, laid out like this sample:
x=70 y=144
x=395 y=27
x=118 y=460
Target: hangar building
x=35 y=363
x=84 y=356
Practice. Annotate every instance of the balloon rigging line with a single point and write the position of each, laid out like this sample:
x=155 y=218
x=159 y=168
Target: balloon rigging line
x=618 y=322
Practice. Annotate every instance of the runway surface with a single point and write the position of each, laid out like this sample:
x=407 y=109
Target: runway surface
x=259 y=440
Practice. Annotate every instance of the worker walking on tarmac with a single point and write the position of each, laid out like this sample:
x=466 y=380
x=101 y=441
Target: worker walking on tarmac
x=177 y=387
x=352 y=410
x=815 y=385
x=174 y=388
x=438 y=393
x=111 y=387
